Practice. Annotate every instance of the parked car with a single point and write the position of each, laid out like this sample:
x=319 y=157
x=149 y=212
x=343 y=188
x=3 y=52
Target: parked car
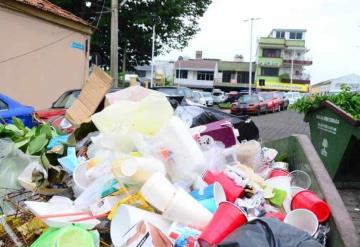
x=203 y=98
x=284 y=101
x=218 y=96
x=249 y=104
x=293 y=96
x=10 y=108
x=209 y=98
x=231 y=97
x=273 y=104
x=176 y=95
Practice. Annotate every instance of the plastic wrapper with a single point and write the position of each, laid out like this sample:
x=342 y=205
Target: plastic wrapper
x=195 y=116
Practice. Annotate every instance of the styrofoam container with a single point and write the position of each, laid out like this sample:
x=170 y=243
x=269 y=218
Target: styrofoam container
x=282 y=183
x=127 y=216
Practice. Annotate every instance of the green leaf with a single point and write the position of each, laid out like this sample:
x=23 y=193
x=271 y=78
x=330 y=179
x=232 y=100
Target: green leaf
x=45 y=161
x=37 y=144
x=22 y=142
x=19 y=124
x=46 y=129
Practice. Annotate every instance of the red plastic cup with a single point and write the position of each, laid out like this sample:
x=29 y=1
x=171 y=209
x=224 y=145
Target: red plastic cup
x=278 y=173
x=278 y=216
x=227 y=218
x=309 y=200
x=232 y=191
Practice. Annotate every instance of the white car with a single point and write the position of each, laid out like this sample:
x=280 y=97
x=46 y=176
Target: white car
x=199 y=98
x=293 y=96
x=218 y=96
x=208 y=97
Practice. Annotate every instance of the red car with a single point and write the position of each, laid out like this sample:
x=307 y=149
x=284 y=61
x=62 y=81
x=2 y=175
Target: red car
x=272 y=103
x=249 y=104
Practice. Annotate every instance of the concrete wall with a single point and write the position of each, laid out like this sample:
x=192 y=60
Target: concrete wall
x=37 y=60
x=192 y=81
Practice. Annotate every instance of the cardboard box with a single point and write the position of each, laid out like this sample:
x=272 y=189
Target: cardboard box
x=90 y=97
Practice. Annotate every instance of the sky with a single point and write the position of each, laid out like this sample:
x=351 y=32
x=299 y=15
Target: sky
x=333 y=32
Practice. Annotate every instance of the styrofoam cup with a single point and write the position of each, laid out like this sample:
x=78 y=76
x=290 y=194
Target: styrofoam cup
x=184 y=209
x=127 y=216
x=158 y=191
x=303 y=219
x=282 y=183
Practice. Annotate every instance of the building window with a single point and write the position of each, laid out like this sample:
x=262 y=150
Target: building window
x=280 y=35
x=183 y=74
x=243 y=77
x=271 y=53
x=141 y=73
x=3 y=106
x=296 y=35
x=270 y=71
x=261 y=82
x=226 y=76
x=205 y=75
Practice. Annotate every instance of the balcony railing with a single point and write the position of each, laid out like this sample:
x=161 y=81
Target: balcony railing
x=298 y=60
x=303 y=78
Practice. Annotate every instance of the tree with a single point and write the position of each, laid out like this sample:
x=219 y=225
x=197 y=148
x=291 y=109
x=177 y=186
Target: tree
x=176 y=22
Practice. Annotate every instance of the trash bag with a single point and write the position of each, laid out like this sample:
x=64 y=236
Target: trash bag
x=194 y=116
x=269 y=233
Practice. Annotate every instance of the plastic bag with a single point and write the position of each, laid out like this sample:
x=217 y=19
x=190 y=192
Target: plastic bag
x=196 y=115
x=142 y=110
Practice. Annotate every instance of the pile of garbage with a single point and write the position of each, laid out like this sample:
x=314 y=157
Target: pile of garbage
x=138 y=173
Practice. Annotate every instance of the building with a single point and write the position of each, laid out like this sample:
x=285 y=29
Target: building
x=44 y=51
x=334 y=85
x=196 y=73
x=234 y=75
x=281 y=58
x=163 y=71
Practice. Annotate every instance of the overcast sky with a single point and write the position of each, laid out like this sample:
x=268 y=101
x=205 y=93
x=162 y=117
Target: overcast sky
x=333 y=31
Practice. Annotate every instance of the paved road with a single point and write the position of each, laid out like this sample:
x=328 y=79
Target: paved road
x=280 y=124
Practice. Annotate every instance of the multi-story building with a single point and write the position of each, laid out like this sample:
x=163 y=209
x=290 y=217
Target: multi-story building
x=281 y=61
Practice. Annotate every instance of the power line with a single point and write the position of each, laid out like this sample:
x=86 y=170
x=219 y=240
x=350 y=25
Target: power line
x=36 y=49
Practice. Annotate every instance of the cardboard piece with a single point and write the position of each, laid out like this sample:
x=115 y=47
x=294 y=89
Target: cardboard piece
x=91 y=95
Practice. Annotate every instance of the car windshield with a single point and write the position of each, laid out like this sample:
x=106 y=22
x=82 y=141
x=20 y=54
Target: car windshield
x=267 y=96
x=207 y=94
x=248 y=99
x=66 y=100
x=217 y=94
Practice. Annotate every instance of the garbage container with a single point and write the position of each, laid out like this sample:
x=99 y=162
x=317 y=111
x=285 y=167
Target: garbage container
x=298 y=151
x=336 y=138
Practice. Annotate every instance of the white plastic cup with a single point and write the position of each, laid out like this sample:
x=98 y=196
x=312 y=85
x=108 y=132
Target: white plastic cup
x=138 y=170
x=81 y=181
x=282 y=183
x=127 y=216
x=184 y=209
x=158 y=191
x=303 y=219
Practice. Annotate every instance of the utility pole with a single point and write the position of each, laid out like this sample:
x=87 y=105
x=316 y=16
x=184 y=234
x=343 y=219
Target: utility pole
x=292 y=69
x=152 y=57
x=114 y=56
x=251 y=41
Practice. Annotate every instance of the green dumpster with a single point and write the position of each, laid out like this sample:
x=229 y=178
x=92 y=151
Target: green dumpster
x=336 y=138
x=298 y=151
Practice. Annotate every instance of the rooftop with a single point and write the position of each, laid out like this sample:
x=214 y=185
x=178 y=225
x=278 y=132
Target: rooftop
x=197 y=64
x=288 y=30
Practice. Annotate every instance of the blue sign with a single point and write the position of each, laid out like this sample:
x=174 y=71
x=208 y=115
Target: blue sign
x=77 y=45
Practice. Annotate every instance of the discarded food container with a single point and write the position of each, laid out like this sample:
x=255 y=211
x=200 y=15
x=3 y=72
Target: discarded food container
x=282 y=183
x=127 y=216
x=210 y=197
x=307 y=199
x=278 y=173
x=184 y=209
x=249 y=153
x=232 y=191
x=303 y=219
x=226 y=219
x=158 y=191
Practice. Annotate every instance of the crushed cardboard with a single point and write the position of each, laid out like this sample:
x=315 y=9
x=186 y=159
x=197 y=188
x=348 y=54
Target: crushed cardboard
x=91 y=95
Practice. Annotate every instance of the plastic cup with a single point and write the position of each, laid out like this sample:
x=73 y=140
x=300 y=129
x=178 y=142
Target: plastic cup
x=300 y=179
x=210 y=197
x=227 y=219
x=232 y=191
x=184 y=209
x=282 y=183
x=303 y=219
x=81 y=181
x=127 y=216
x=158 y=191
x=278 y=173
x=307 y=199
x=274 y=215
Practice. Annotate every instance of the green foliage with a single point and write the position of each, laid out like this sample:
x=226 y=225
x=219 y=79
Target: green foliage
x=31 y=141
x=225 y=105
x=346 y=100
x=284 y=76
x=176 y=22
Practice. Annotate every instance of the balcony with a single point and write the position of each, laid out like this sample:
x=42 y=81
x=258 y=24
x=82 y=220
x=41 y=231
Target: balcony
x=297 y=61
x=270 y=61
x=299 y=79
x=295 y=43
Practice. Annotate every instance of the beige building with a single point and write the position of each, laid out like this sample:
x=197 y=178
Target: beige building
x=44 y=51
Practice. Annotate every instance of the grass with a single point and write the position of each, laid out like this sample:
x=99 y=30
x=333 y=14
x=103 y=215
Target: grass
x=225 y=105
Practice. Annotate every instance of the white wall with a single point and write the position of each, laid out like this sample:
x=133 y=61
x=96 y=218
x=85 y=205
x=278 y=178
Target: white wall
x=192 y=81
